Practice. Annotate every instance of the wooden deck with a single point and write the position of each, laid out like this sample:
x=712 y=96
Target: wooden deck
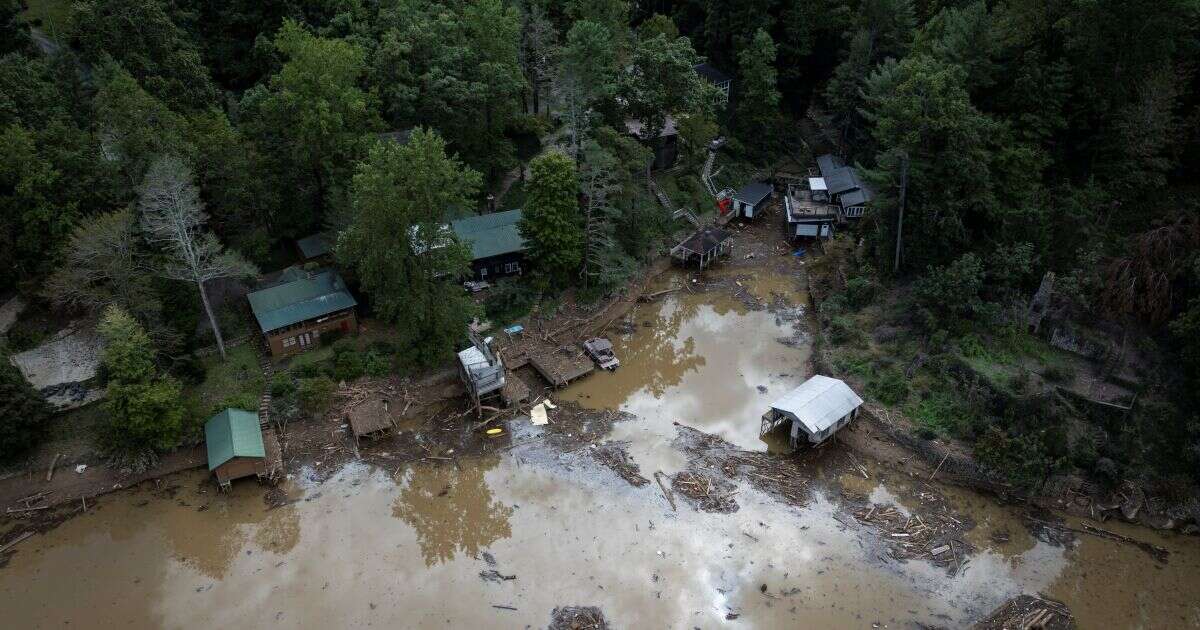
x=562 y=366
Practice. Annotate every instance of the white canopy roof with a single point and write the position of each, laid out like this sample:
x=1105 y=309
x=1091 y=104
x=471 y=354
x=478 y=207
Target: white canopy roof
x=817 y=183
x=818 y=403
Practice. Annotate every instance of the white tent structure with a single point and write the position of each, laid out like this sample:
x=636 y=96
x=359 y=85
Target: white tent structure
x=817 y=409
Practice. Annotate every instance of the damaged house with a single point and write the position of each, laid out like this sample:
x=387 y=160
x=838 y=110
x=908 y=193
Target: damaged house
x=841 y=185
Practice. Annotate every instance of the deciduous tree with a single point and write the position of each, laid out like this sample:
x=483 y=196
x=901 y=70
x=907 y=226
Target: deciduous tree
x=173 y=217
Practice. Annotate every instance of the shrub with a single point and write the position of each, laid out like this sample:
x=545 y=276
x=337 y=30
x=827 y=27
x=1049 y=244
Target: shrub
x=145 y=410
x=860 y=291
x=313 y=370
x=244 y=400
x=509 y=300
x=347 y=364
x=282 y=385
x=843 y=331
x=23 y=413
x=952 y=292
x=315 y=395
x=331 y=337
x=376 y=364
x=890 y=387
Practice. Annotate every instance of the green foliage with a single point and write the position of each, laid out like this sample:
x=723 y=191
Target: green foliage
x=145 y=410
x=412 y=279
x=314 y=395
x=661 y=83
x=953 y=291
x=945 y=412
x=311 y=120
x=860 y=291
x=508 y=300
x=758 y=109
x=551 y=223
x=34 y=219
x=23 y=413
x=889 y=386
x=141 y=36
x=282 y=385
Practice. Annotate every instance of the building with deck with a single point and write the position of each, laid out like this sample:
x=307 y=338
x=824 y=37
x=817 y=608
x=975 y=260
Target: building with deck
x=665 y=145
x=844 y=186
x=713 y=75
x=299 y=306
x=497 y=248
x=702 y=247
x=816 y=410
x=481 y=370
x=805 y=217
x=237 y=448
x=750 y=200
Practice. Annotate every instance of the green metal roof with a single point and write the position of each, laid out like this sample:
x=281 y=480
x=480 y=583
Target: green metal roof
x=307 y=297
x=314 y=246
x=233 y=433
x=490 y=234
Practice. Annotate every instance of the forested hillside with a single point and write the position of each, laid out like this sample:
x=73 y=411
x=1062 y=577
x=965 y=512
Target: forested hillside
x=1003 y=140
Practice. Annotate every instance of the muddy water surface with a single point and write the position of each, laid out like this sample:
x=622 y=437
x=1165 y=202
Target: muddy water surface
x=407 y=547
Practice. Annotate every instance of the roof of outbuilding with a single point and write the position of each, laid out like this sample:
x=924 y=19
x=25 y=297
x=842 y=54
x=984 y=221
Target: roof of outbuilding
x=314 y=246
x=306 y=297
x=829 y=163
x=490 y=234
x=710 y=72
x=233 y=433
x=842 y=180
x=753 y=193
x=818 y=403
x=856 y=197
x=705 y=240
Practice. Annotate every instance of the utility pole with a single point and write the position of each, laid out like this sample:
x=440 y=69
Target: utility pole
x=900 y=219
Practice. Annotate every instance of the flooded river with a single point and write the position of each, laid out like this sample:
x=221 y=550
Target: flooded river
x=500 y=541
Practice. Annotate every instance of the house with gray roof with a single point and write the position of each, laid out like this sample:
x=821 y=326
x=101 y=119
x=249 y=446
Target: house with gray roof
x=815 y=410
x=497 y=248
x=299 y=306
x=844 y=186
x=750 y=199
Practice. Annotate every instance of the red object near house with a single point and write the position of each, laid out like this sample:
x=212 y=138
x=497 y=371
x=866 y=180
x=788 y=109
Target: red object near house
x=724 y=205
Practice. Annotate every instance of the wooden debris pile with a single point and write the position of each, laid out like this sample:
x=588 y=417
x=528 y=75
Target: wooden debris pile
x=614 y=456
x=704 y=492
x=577 y=618
x=933 y=536
x=1028 y=612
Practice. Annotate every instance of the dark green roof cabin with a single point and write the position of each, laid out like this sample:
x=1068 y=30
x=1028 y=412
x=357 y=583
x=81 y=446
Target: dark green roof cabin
x=497 y=248
x=235 y=446
x=307 y=297
x=315 y=246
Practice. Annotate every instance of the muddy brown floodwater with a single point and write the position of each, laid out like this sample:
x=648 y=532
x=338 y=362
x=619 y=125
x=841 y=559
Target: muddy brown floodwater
x=500 y=541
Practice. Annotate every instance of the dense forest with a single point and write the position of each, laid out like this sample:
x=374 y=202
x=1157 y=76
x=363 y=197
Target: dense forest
x=1004 y=140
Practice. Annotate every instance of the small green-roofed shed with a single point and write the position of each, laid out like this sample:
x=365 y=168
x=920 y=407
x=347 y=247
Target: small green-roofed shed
x=233 y=433
x=314 y=246
x=309 y=296
x=490 y=235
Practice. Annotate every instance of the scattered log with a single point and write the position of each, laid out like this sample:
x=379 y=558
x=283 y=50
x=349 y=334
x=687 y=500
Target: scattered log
x=666 y=493
x=16 y=541
x=53 y=463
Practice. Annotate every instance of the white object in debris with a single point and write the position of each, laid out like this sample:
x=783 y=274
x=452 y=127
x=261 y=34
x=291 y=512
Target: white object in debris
x=550 y=405
x=537 y=415
x=80 y=468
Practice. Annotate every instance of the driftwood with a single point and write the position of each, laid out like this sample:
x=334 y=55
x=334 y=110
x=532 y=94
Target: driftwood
x=1158 y=553
x=53 y=463
x=16 y=541
x=666 y=493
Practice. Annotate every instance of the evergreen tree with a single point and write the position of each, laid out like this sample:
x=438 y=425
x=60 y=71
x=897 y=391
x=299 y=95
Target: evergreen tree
x=24 y=414
x=143 y=408
x=399 y=247
x=551 y=223
x=758 y=102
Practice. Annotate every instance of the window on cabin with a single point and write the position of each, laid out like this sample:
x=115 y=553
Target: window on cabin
x=289 y=342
